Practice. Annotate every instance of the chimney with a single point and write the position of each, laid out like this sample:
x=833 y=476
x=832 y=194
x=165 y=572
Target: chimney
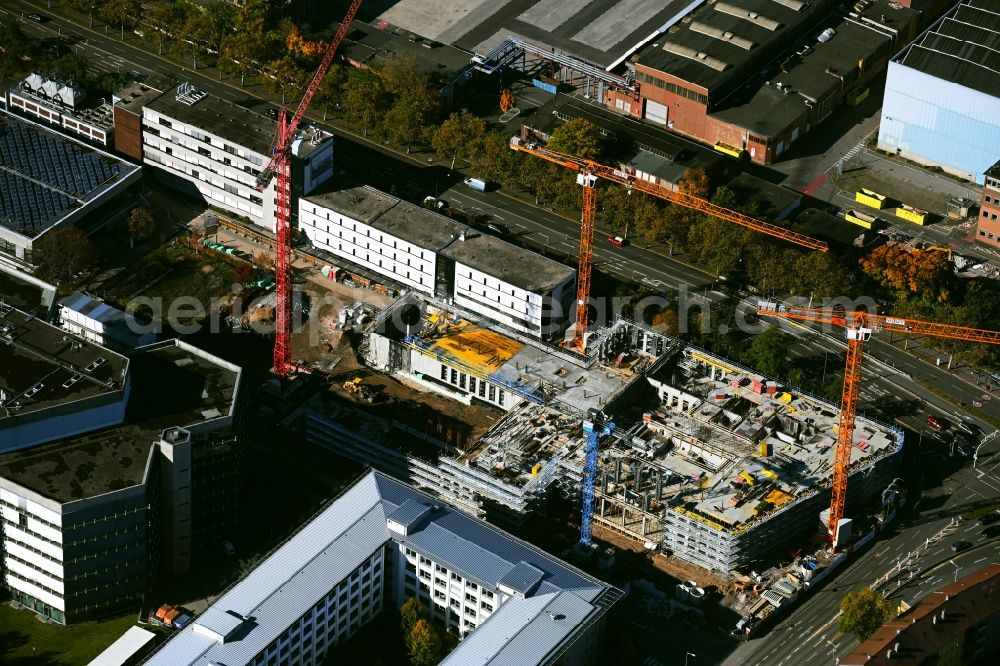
x=461 y=235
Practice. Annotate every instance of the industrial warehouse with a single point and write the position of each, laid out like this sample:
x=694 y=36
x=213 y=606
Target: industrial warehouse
x=708 y=460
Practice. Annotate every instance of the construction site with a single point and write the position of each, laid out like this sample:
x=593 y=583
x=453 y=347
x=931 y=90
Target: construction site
x=706 y=461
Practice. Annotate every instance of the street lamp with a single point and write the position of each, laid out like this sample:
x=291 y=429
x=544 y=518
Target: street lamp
x=686 y=655
x=957 y=569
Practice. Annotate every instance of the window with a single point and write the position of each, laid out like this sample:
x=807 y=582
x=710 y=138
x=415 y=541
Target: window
x=472 y=384
x=165 y=122
x=444 y=376
x=454 y=376
x=982 y=232
x=486 y=607
x=456 y=577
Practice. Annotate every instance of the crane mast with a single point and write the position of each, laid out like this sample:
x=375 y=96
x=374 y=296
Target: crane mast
x=860 y=327
x=280 y=166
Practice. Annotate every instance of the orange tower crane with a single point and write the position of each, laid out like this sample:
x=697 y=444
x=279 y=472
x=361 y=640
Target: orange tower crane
x=281 y=165
x=860 y=326
x=588 y=171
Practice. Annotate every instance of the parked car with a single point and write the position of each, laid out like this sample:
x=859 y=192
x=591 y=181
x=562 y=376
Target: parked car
x=271 y=113
x=617 y=240
x=991 y=531
x=499 y=230
x=934 y=423
x=989 y=518
x=229 y=548
x=37 y=18
x=961 y=545
x=434 y=203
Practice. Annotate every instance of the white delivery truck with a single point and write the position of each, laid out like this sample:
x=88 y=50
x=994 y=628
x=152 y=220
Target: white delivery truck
x=476 y=184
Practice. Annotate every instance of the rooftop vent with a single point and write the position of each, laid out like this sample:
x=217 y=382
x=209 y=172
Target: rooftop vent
x=189 y=95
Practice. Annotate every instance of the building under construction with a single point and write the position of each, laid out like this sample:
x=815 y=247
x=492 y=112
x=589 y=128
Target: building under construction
x=708 y=461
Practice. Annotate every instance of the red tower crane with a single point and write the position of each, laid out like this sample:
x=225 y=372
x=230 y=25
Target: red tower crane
x=280 y=165
x=860 y=327
x=588 y=171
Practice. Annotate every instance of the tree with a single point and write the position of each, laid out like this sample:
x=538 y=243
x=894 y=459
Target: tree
x=494 y=160
x=863 y=612
x=410 y=612
x=401 y=75
x=507 y=100
x=696 y=182
x=424 y=644
x=364 y=98
x=768 y=351
x=284 y=76
x=330 y=93
x=141 y=224
x=458 y=136
x=89 y=7
x=405 y=121
x=63 y=252
x=238 y=55
x=122 y=12
x=164 y=20
x=578 y=137
x=904 y=268
x=197 y=32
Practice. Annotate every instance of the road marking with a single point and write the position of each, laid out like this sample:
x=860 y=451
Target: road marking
x=981 y=560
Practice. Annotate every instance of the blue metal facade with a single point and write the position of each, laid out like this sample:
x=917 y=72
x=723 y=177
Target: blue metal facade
x=939 y=123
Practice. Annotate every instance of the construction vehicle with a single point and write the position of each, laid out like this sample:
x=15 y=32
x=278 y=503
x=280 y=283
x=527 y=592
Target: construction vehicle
x=589 y=171
x=360 y=391
x=860 y=326
x=280 y=165
x=594 y=428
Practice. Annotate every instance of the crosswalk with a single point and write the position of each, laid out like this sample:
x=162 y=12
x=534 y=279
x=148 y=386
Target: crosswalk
x=855 y=150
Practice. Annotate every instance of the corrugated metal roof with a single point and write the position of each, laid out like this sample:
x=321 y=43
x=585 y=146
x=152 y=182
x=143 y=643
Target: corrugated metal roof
x=408 y=513
x=349 y=531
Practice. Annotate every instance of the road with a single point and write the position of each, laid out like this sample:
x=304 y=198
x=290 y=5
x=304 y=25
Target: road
x=810 y=635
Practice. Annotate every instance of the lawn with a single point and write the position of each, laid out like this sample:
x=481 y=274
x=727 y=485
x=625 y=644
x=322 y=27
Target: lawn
x=24 y=641
x=171 y=272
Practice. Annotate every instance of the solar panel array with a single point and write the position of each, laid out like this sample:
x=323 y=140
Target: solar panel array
x=42 y=176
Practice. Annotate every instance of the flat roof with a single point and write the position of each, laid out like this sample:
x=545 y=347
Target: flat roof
x=597 y=32
x=514 y=265
x=217 y=116
x=366 y=43
x=963 y=47
x=126 y=647
x=173 y=384
x=136 y=95
x=721 y=434
x=774 y=200
x=994 y=170
x=713 y=45
x=41 y=366
x=25 y=292
x=347 y=532
x=45 y=177
x=770 y=107
x=833 y=229
x=414 y=224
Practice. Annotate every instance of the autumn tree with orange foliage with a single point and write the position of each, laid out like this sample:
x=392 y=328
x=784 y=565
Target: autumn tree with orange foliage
x=903 y=268
x=298 y=44
x=506 y=100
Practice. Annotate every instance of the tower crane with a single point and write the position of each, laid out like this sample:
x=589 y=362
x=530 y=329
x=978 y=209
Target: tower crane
x=594 y=428
x=860 y=326
x=280 y=165
x=588 y=171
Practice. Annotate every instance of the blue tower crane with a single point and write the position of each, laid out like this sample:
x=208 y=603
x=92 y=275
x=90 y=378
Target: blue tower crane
x=594 y=428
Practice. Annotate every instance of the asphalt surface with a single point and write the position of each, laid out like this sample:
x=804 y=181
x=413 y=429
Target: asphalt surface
x=810 y=634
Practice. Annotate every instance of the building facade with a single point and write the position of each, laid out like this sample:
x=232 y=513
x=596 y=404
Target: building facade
x=216 y=150
x=942 y=94
x=988 y=227
x=97 y=322
x=61 y=106
x=430 y=253
x=88 y=520
x=378 y=544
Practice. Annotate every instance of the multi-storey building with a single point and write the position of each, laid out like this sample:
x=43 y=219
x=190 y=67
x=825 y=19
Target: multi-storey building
x=109 y=466
x=49 y=180
x=989 y=208
x=62 y=106
x=94 y=320
x=215 y=150
x=433 y=254
x=942 y=93
x=378 y=544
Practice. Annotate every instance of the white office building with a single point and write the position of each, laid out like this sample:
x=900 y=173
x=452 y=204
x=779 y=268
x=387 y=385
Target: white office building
x=435 y=255
x=377 y=544
x=95 y=321
x=213 y=148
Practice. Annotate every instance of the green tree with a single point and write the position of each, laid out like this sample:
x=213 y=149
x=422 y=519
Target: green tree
x=364 y=99
x=406 y=121
x=424 y=644
x=768 y=351
x=410 y=612
x=197 y=32
x=863 y=612
x=458 y=136
x=401 y=75
x=122 y=12
x=164 y=21
x=141 y=224
x=578 y=137
x=494 y=160
x=330 y=93
x=238 y=53
x=696 y=182
x=284 y=76
x=88 y=7
x=63 y=252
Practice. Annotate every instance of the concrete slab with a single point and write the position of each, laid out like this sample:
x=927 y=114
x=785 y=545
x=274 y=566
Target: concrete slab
x=618 y=22
x=550 y=14
x=431 y=18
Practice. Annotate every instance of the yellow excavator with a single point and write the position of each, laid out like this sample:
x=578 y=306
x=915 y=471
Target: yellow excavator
x=357 y=388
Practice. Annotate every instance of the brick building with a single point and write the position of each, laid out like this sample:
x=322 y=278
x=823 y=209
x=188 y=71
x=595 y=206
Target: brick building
x=989 y=208
x=752 y=76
